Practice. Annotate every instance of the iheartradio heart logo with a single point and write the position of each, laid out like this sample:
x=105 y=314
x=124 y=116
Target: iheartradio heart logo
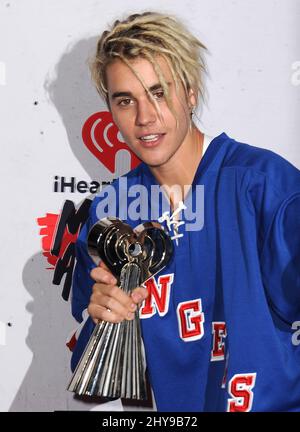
x=102 y=137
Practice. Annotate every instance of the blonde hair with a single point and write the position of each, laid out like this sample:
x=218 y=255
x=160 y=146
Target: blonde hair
x=148 y=35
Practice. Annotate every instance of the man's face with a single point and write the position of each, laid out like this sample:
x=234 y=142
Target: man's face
x=153 y=140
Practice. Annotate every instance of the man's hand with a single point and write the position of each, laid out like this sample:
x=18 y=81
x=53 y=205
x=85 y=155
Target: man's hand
x=109 y=302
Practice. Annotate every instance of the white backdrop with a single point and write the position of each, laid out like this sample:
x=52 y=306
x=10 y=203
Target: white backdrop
x=45 y=98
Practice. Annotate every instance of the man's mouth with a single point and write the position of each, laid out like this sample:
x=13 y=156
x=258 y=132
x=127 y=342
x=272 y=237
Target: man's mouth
x=151 y=138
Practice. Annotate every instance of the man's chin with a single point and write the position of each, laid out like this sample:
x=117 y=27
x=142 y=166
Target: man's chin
x=154 y=162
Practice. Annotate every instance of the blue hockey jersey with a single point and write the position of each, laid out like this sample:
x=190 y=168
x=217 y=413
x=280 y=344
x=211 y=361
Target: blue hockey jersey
x=221 y=320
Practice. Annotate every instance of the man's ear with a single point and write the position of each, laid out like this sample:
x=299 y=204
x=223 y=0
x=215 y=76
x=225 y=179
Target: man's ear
x=192 y=100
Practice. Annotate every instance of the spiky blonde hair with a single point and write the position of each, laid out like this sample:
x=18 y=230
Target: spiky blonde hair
x=149 y=35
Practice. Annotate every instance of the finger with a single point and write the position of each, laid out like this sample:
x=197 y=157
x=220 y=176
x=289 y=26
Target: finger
x=109 y=302
x=139 y=294
x=102 y=275
x=115 y=293
x=114 y=298
x=99 y=313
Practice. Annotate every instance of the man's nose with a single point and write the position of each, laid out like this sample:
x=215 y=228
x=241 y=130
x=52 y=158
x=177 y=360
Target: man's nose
x=146 y=113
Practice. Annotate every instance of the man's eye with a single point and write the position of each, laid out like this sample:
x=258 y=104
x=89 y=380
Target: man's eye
x=124 y=102
x=159 y=94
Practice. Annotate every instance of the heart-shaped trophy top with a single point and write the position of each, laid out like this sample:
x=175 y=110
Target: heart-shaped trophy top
x=116 y=243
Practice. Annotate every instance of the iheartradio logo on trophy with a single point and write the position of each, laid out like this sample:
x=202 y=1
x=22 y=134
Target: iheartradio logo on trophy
x=102 y=137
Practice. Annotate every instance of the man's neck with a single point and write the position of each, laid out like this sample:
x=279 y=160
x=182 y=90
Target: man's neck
x=180 y=170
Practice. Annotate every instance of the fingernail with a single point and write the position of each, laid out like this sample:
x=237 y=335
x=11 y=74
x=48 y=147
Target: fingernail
x=130 y=315
x=133 y=306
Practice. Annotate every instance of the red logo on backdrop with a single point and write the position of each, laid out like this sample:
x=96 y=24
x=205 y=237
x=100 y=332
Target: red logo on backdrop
x=103 y=139
x=47 y=232
x=59 y=233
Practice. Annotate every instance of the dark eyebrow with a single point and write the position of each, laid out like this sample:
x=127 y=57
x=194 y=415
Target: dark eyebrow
x=153 y=88
x=121 y=94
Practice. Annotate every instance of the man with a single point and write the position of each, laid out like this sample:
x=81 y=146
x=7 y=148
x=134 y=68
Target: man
x=218 y=321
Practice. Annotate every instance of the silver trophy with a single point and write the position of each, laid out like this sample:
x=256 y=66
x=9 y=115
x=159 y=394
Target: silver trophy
x=113 y=363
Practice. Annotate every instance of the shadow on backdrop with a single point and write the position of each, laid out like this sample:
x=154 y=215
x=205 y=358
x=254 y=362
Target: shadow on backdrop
x=70 y=90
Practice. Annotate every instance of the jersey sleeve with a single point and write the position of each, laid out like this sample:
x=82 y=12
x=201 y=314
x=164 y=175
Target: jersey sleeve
x=81 y=290
x=82 y=281
x=280 y=260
